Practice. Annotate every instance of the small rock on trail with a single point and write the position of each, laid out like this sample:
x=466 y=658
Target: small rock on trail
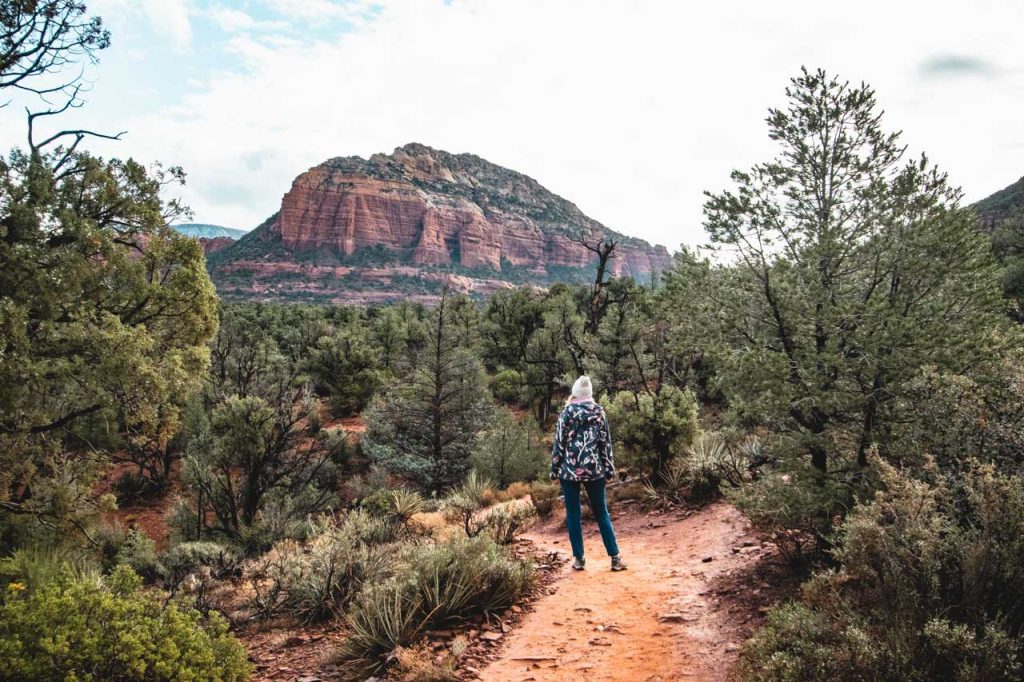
x=652 y=622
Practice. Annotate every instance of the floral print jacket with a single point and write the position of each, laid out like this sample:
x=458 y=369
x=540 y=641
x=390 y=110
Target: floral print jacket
x=582 y=450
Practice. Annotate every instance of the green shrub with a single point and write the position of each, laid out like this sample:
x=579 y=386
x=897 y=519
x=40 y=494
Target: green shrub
x=314 y=581
x=379 y=503
x=798 y=506
x=461 y=578
x=930 y=586
x=188 y=557
x=139 y=552
x=700 y=471
x=507 y=385
x=35 y=566
x=650 y=429
x=508 y=451
x=182 y=522
x=78 y=629
x=383 y=619
x=507 y=522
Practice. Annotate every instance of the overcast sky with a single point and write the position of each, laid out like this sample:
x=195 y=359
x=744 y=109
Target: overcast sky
x=630 y=109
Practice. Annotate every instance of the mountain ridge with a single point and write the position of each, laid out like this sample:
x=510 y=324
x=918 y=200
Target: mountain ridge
x=358 y=230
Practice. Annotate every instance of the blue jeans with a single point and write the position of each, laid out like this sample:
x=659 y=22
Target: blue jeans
x=595 y=493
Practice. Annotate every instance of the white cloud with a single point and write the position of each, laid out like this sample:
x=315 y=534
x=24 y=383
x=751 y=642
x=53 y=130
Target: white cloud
x=230 y=20
x=168 y=17
x=172 y=17
x=629 y=108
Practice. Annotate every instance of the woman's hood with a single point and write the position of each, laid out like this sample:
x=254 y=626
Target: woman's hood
x=584 y=411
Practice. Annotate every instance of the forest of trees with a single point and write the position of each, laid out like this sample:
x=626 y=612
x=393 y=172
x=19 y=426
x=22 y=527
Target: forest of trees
x=844 y=364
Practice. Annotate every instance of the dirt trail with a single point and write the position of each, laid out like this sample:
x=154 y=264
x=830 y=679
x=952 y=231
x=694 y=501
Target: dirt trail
x=655 y=622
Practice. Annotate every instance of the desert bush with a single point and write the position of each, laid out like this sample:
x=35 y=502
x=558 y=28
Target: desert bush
x=405 y=505
x=463 y=509
x=462 y=505
x=139 y=552
x=436 y=585
x=543 y=496
x=383 y=618
x=507 y=385
x=132 y=485
x=930 y=586
x=508 y=451
x=700 y=471
x=79 y=629
x=188 y=557
x=515 y=491
x=35 y=566
x=463 y=577
x=650 y=429
x=379 y=503
x=507 y=522
x=314 y=581
x=798 y=506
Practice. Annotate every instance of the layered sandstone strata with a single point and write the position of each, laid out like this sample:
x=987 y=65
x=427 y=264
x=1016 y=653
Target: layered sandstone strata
x=434 y=208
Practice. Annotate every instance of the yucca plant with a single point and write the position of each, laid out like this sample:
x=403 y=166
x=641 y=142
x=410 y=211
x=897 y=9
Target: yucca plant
x=384 y=618
x=407 y=503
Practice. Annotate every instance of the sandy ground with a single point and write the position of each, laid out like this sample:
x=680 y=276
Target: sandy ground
x=658 y=621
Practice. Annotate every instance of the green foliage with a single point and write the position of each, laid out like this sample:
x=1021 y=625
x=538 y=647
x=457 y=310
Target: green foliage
x=700 y=471
x=34 y=566
x=346 y=368
x=651 y=428
x=851 y=269
x=424 y=427
x=139 y=553
x=259 y=460
x=379 y=503
x=1008 y=246
x=797 y=505
x=929 y=587
x=88 y=630
x=187 y=558
x=506 y=522
x=508 y=451
x=316 y=581
x=507 y=385
x=130 y=349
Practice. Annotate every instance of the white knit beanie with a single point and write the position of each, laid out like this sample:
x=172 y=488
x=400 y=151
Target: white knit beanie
x=582 y=388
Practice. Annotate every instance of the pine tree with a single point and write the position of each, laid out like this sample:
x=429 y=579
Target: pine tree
x=424 y=425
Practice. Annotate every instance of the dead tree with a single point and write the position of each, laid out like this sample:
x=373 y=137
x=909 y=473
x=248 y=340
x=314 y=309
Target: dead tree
x=603 y=247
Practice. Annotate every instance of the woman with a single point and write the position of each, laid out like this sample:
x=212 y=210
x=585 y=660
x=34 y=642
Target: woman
x=582 y=455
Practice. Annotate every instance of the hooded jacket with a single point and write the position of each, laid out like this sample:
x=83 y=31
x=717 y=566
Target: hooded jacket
x=582 y=450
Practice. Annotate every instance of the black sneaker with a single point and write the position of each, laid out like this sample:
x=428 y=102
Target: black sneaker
x=617 y=564
x=579 y=563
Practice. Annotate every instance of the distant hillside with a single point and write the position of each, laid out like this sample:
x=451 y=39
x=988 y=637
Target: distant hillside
x=209 y=231
x=1000 y=205
x=403 y=225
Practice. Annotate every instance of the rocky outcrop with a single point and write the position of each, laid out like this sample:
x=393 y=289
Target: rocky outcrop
x=214 y=244
x=429 y=209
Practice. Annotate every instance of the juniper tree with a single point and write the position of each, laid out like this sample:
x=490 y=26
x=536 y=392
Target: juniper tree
x=853 y=268
x=104 y=311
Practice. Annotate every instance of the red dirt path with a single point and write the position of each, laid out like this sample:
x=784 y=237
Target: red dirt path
x=660 y=620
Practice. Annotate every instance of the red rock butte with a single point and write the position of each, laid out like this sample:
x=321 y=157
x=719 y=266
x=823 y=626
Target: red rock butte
x=433 y=211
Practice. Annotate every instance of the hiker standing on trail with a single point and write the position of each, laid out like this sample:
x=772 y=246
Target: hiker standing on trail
x=582 y=456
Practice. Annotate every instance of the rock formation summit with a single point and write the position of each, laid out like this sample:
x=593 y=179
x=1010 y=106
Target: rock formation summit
x=362 y=229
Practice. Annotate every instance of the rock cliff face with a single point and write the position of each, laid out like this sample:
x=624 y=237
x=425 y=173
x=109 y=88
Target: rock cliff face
x=213 y=244
x=435 y=212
